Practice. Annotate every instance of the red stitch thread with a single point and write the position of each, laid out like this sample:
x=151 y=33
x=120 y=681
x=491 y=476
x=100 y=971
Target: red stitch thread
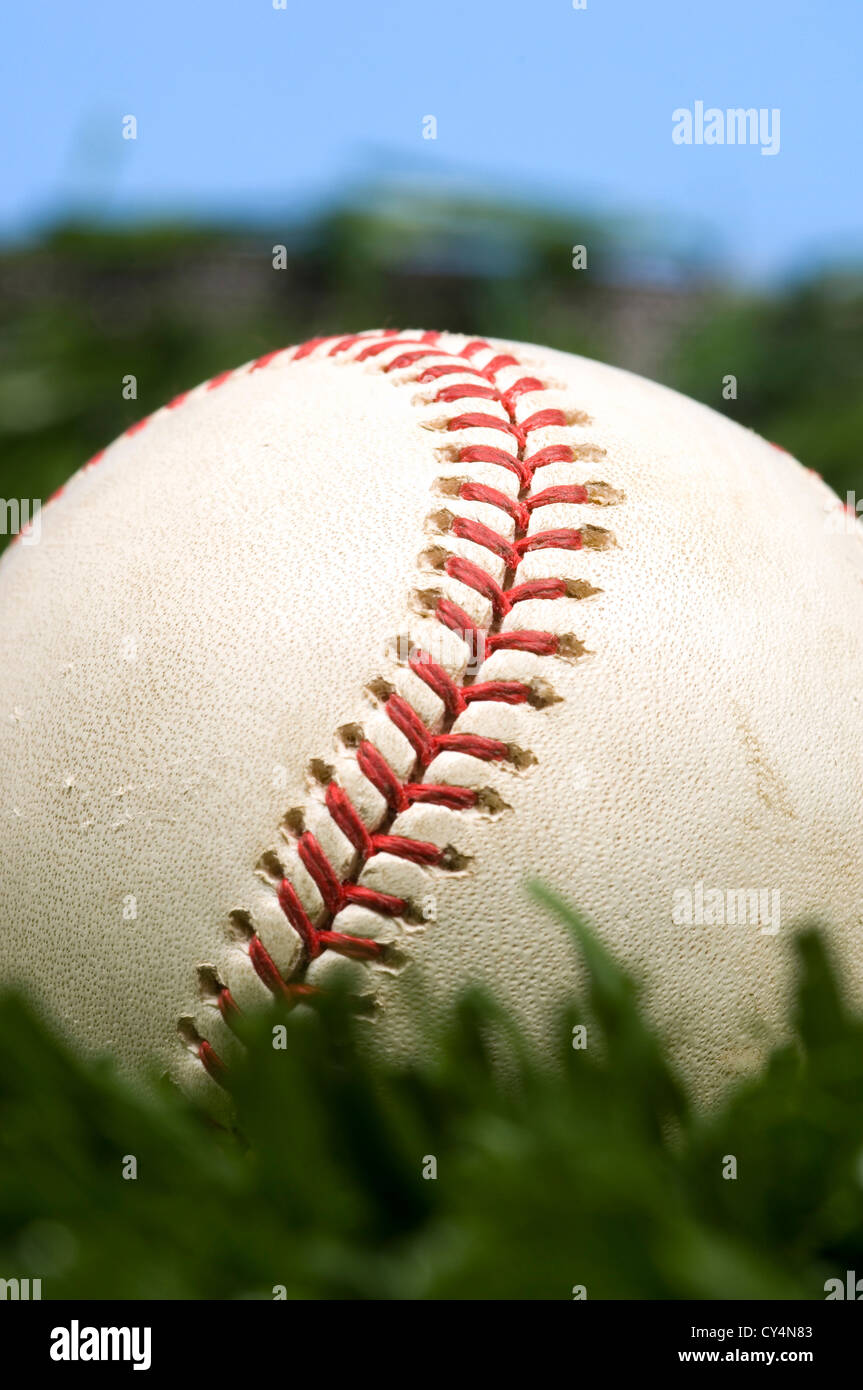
x=408 y=722
x=298 y=918
x=342 y=811
x=385 y=903
x=575 y=493
x=228 y=1007
x=468 y=530
x=442 y=369
x=508 y=692
x=491 y=750
x=337 y=893
x=540 y=643
x=537 y=588
x=458 y=393
x=480 y=492
x=212 y=1062
x=267 y=969
x=375 y=349
x=268 y=357
x=475 y=578
x=424 y=744
x=357 y=947
x=318 y=866
x=306 y=349
x=561 y=539
x=482 y=453
x=552 y=453
x=408 y=359
x=417 y=851
x=437 y=794
x=542 y=419
x=486 y=422
x=460 y=622
x=440 y=681
x=313 y=939
x=374 y=766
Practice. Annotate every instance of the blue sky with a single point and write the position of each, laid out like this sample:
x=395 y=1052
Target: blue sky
x=245 y=110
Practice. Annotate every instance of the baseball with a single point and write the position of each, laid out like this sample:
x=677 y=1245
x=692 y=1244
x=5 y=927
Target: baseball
x=316 y=668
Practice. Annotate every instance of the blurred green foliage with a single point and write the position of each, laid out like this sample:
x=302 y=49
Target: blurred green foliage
x=86 y=306
x=592 y=1169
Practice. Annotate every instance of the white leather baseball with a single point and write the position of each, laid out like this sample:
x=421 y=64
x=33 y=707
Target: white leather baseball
x=201 y=648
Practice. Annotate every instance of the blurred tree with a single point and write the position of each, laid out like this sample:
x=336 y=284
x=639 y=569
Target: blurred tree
x=171 y=305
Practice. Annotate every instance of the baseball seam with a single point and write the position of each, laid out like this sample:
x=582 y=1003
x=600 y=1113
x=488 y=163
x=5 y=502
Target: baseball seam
x=467 y=381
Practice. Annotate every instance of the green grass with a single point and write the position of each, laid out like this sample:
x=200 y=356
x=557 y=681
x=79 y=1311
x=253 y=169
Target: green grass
x=593 y=1171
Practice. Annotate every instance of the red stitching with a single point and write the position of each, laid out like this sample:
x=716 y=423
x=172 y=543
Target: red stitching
x=490 y=750
x=407 y=359
x=480 y=492
x=459 y=622
x=501 y=595
x=318 y=866
x=458 y=393
x=408 y=722
x=574 y=493
x=468 y=530
x=425 y=744
x=481 y=453
x=519 y=388
x=298 y=918
x=228 y=1008
x=508 y=692
x=542 y=419
x=480 y=345
x=267 y=969
x=486 y=422
x=475 y=578
x=456 y=798
x=561 y=539
x=417 y=851
x=357 y=947
x=538 y=588
x=540 y=643
x=377 y=770
x=376 y=348
x=553 y=453
x=444 y=369
x=438 y=680
x=212 y=1062
x=268 y=357
x=342 y=811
